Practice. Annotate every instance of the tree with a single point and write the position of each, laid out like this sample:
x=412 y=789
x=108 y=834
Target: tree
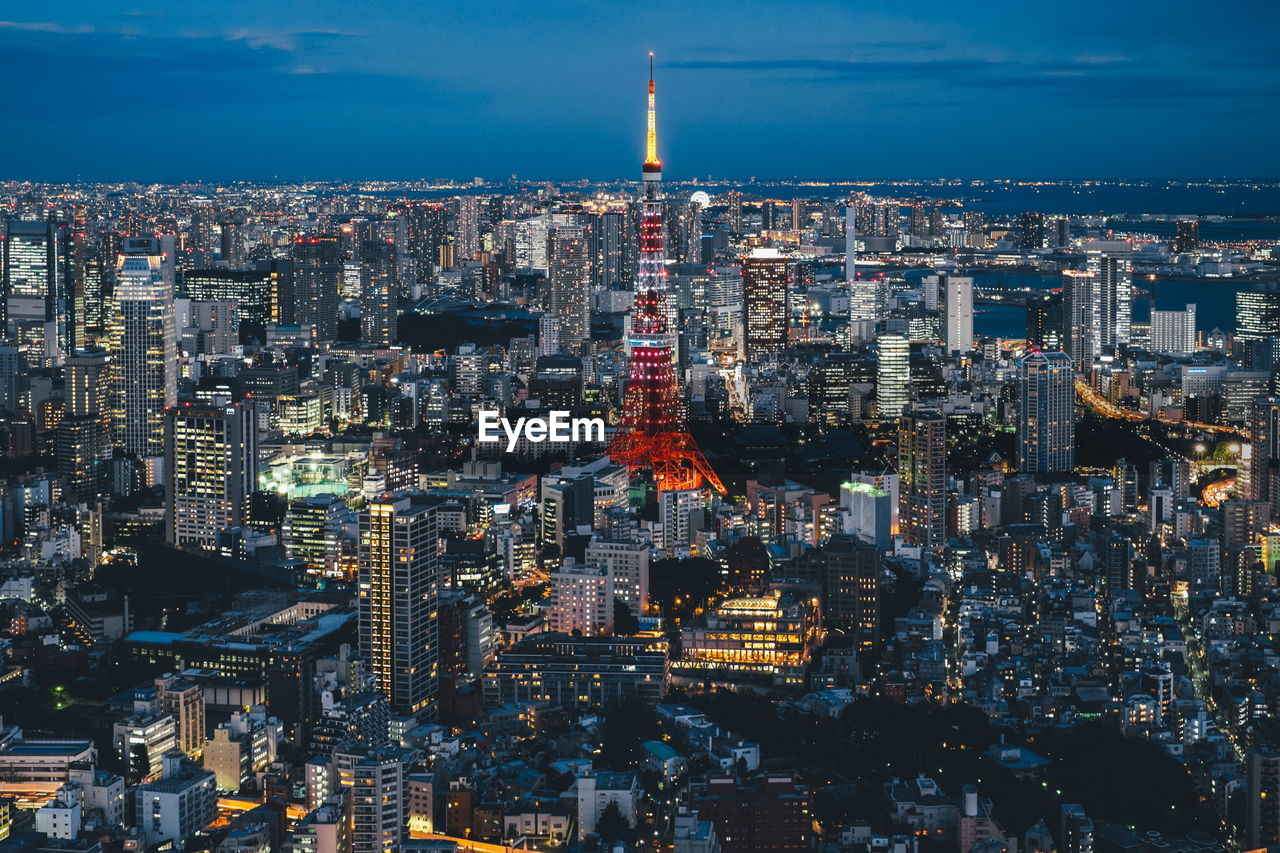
x=612 y=825
x=625 y=622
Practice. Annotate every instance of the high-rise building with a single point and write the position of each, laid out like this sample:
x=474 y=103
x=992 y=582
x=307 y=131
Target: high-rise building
x=379 y=293
x=1046 y=413
x=764 y=302
x=1186 y=235
x=628 y=566
x=317 y=277
x=922 y=472
x=82 y=434
x=956 y=293
x=569 y=284
x=377 y=777
x=398 y=590
x=1258 y=312
x=37 y=280
x=893 y=376
x=581 y=599
x=144 y=354
x=1110 y=264
x=1031 y=232
x=311 y=531
x=1046 y=321
x=1174 y=331
x=468 y=244
x=852 y=588
x=1264 y=464
x=211 y=460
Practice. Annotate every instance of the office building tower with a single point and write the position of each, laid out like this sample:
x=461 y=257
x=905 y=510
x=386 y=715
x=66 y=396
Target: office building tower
x=852 y=588
x=850 y=243
x=144 y=355
x=608 y=250
x=628 y=566
x=1174 y=332
x=1031 y=232
x=1046 y=321
x=467 y=246
x=37 y=284
x=893 y=376
x=764 y=303
x=84 y=429
x=398 y=590
x=768 y=215
x=1264 y=463
x=922 y=472
x=956 y=294
x=1186 y=235
x=1110 y=265
x=1258 y=312
x=317 y=276
x=379 y=293
x=1046 y=413
x=569 y=285
x=311 y=530
x=1078 y=321
x=211 y=461
x=581 y=599
x=249 y=290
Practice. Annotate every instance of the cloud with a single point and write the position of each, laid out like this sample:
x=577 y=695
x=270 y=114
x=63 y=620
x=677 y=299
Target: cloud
x=1108 y=79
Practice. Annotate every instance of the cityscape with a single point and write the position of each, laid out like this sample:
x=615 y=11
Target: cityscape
x=646 y=513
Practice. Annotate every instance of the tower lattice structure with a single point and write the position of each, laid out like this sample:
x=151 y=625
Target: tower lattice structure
x=653 y=435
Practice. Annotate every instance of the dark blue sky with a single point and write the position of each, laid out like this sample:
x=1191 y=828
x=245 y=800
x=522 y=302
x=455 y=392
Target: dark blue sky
x=158 y=90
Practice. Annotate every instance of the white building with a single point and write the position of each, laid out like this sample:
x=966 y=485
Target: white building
x=597 y=789
x=178 y=805
x=144 y=353
x=581 y=599
x=1174 y=331
x=628 y=565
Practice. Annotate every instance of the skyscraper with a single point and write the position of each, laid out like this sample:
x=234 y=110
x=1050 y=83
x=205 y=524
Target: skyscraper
x=569 y=284
x=1031 y=231
x=922 y=472
x=1110 y=264
x=1258 y=312
x=764 y=302
x=399 y=586
x=1186 y=235
x=893 y=376
x=144 y=354
x=957 y=310
x=1046 y=413
x=82 y=434
x=37 y=281
x=211 y=461
x=1079 y=322
x=1264 y=464
x=1174 y=331
x=468 y=244
x=317 y=275
x=379 y=293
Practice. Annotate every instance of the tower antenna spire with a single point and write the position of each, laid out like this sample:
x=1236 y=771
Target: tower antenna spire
x=652 y=165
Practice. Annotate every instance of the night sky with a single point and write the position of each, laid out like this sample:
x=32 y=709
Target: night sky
x=157 y=90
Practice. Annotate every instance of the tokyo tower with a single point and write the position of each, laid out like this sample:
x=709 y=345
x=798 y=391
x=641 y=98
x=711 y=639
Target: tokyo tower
x=652 y=435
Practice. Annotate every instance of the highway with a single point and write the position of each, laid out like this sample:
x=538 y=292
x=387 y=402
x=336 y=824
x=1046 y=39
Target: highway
x=1102 y=406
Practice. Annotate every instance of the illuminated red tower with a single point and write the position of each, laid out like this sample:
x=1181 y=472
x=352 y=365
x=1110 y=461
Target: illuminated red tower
x=653 y=436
